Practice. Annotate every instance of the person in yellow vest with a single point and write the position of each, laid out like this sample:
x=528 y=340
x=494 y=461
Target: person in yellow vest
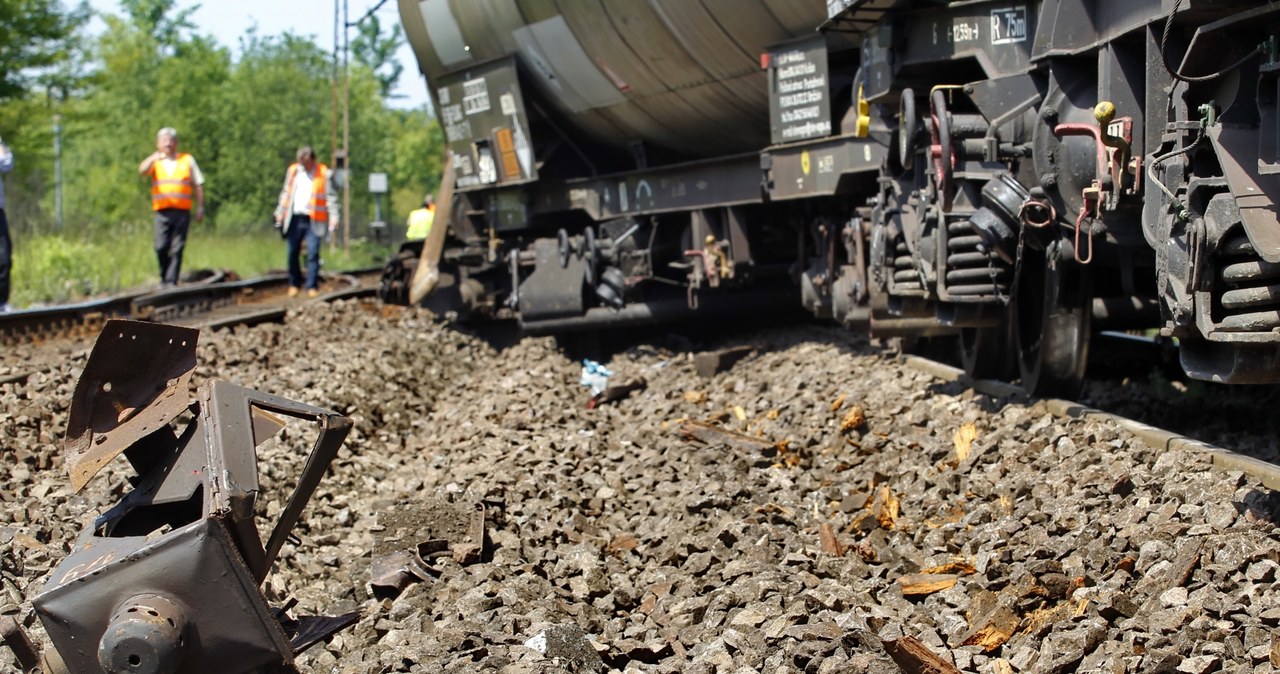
x=177 y=189
x=307 y=210
x=420 y=220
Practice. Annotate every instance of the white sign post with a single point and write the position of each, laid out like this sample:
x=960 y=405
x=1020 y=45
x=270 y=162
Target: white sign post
x=377 y=187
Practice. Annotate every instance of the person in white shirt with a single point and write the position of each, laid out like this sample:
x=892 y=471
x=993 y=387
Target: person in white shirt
x=307 y=210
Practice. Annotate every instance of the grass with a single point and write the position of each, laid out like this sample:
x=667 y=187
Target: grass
x=52 y=269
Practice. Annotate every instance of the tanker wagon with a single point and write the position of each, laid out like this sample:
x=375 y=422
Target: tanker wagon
x=620 y=162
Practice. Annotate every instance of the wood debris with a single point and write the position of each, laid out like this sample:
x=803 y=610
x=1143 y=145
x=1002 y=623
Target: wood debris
x=992 y=629
x=1179 y=572
x=1038 y=620
x=622 y=542
x=616 y=393
x=959 y=567
x=830 y=544
x=853 y=419
x=885 y=508
x=963 y=439
x=921 y=584
x=914 y=657
x=709 y=363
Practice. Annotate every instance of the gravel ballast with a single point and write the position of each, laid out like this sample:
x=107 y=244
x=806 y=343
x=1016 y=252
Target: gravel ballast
x=871 y=514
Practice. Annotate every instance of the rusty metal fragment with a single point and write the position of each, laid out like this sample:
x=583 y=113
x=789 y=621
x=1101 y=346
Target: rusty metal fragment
x=17 y=640
x=416 y=533
x=168 y=580
x=709 y=434
x=616 y=393
x=134 y=383
x=394 y=572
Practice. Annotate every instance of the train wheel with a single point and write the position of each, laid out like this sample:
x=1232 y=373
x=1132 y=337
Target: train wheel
x=1052 y=320
x=394 y=286
x=986 y=353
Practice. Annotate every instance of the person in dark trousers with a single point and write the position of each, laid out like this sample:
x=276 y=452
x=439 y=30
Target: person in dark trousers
x=177 y=189
x=6 y=244
x=307 y=211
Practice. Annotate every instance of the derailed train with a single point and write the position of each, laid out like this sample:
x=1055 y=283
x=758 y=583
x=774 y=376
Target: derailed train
x=1014 y=174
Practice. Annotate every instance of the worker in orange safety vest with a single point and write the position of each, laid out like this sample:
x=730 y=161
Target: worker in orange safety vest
x=307 y=210
x=177 y=189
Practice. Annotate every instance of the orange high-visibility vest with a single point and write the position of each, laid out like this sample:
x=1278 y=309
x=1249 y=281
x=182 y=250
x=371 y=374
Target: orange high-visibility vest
x=319 y=201
x=172 y=188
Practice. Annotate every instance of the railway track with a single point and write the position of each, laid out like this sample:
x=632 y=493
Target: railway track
x=219 y=300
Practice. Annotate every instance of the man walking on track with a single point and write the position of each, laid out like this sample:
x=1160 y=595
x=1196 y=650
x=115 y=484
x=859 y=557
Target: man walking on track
x=177 y=187
x=303 y=213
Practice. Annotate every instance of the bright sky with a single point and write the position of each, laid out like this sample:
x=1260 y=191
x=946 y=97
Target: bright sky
x=227 y=21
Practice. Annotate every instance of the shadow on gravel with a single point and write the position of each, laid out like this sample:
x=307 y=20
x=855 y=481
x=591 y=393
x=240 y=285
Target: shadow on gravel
x=1239 y=418
x=1142 y=380
x=1261 y=506
x=689 y=337
x=499 y=335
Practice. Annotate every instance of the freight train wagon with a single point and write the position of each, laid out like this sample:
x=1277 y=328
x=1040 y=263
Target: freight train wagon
x=1014 y=175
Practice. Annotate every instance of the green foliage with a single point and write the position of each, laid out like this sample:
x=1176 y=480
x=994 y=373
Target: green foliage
x=157 y=20
x=62 y=268
x=242 y=116
x=277 y=99
x=378 y=52
x=33 y=34
x=59 y=268
x=417 y=160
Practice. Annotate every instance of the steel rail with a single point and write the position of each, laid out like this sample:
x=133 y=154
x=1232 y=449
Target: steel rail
x=1268 y=474
x=188 y=304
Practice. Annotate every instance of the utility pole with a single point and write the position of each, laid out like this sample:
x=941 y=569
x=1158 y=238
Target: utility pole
x=57 y=165
x=333 y=90
x=346 y=126
x=56 y=95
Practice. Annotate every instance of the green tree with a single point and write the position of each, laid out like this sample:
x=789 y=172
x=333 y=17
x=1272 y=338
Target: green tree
x=377 y=52
x=33 y=34
x=153 y=71
x=157 y=20
x=278 y=97
x=417 y=159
